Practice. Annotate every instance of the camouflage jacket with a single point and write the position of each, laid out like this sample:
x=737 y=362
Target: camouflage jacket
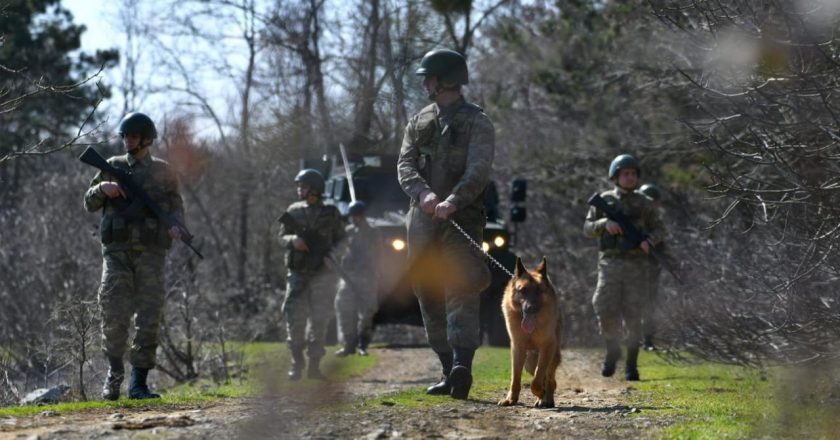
x=638 y=208
x=122 y=229
x=324 y=221
x=362 y=251
x=450 y=152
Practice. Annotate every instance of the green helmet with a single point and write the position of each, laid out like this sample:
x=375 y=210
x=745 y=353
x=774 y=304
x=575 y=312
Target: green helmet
x=137 y=123
x=313 y=178
x=446 y=64
x=357 y=208
x=651 y=191
x=624 y=161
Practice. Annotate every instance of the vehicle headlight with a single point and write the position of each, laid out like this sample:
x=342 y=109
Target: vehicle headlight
x=398 y=244
x=485 y=245
x=499 y=241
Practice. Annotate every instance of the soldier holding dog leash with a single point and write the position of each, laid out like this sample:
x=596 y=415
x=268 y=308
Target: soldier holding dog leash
x=444 y=166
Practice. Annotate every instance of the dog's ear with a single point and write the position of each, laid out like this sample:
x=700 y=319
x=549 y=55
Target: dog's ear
x=541 y=269
x=520 y=269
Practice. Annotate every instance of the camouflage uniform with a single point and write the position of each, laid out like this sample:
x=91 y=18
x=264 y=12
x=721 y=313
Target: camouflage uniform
x=450 y=152
x=310 y=288
x=134 y=245
x=622 y=288
x=355 y=309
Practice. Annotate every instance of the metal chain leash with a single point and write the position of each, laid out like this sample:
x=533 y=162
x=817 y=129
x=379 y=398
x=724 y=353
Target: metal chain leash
x=475 y=245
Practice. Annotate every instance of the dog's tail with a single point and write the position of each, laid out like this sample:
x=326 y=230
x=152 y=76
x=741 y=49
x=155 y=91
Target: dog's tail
x=531 y=361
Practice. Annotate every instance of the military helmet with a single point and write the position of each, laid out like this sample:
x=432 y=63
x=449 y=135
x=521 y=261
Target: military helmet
x=446 y=64
x=357 y=208
x=624 y=161
x=138 y=123
x=651 y=191
x=313 y=178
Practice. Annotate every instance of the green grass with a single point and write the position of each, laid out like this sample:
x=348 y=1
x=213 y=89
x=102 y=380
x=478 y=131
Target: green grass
x=491 y=367
x=265 y=364
x=711 y=401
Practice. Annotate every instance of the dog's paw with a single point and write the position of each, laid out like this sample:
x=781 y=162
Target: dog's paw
x=507 y=402
x=543 y=404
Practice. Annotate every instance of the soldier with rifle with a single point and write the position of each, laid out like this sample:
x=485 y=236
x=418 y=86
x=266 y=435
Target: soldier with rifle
x=142 y=212
x=309 y=231
x=628 y=229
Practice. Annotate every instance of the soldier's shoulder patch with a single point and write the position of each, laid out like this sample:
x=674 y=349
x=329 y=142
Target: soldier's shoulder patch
x=300 y=204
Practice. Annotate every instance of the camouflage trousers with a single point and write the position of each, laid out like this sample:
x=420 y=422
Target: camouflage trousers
x=650 y=320
x=308 y=309
x=132 y=285
x=447 y=277
x=621 y=293
x=354 y=311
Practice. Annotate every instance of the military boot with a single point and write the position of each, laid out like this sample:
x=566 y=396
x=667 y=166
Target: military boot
x=461 y=375
x=296 y=367
x=363 y=345
x=631 y=372
x=648 y=344
x=116 y=373
x=314 y=372
x=137 y=388
x=613 y=355
x=345 y=351
x=443 y=388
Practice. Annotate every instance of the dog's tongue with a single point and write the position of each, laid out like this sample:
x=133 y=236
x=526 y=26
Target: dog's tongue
x=529 y=322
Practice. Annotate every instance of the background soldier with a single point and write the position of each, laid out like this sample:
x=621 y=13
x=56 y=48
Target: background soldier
x=444 y=166
x=356 y=303
x=649 y=311
x=622 y=274
x=134 y=244
x=311 y=231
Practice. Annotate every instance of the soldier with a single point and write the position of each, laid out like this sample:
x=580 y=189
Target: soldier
x=310 y=231
x=444 y=167
x=622 y=275
x=134 y=245
x=649 y=319
x=356 y=302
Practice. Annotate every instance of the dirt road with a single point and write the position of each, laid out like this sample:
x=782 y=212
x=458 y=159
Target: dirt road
x=588 y=407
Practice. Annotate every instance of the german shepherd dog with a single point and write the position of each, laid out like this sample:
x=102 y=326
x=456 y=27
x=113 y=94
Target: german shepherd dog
x=535 y=325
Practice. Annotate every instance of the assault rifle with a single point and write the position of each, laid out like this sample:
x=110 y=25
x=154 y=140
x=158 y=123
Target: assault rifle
x=633 y=236
x=319 y=251
x=138 y=198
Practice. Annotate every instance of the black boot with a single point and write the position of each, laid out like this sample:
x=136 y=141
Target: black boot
x=364 y=340
x=648 y=344
x=443 y=388
x=631 y=372
x=345 y=351
x=296 y=367
x=613 y=355
x=314 y=372
x=116 y=373
x=137 y=388
x=461 y=375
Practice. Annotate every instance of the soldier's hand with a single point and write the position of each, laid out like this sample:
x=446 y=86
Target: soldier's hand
x=645 y=246
x=111 y=189
x=300 y=245
x=614 y=228
x=175 y=233
x=444 y=209
x=428 y=201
